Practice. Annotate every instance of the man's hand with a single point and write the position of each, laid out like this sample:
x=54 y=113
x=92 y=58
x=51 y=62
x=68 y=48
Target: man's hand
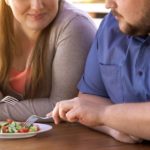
x=79 y=110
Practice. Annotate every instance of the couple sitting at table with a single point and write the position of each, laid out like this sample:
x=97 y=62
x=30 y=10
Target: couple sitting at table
x=44 y=45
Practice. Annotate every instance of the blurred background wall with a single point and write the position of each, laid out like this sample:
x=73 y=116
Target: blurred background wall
x=95 y=8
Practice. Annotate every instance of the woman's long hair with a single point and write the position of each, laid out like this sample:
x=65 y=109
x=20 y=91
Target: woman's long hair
x=7 y=51
x=6 y=42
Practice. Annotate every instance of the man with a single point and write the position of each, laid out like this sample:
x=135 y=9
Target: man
x=115 y=87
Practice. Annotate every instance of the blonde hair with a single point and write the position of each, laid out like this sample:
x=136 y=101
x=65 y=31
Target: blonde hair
x=7 y=51
x=6 y=41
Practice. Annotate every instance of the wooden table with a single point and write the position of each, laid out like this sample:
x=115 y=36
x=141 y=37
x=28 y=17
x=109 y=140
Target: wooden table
x=70 y=137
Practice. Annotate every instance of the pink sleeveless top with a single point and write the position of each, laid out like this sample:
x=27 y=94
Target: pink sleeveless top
x=17 y=80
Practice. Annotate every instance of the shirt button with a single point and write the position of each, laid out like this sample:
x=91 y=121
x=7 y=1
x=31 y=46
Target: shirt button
x=140 y=73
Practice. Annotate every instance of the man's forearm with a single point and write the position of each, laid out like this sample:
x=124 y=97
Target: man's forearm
x=119 y=136
x=131 y=118
x=94 y=99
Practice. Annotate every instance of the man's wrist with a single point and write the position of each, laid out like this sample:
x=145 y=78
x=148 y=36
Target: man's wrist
x=103 y=114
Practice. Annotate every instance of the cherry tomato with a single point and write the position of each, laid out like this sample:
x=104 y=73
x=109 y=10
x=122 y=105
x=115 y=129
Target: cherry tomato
x=5 y=129
x=9 y=120
x=38 y=128
x=23 y=130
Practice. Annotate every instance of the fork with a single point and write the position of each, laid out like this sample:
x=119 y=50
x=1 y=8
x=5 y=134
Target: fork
x=34 y=118
x=10 y=100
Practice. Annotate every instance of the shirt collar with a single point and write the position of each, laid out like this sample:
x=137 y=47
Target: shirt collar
x=141 y=38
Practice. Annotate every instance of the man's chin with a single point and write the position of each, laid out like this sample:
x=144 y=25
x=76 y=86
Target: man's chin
x=132 y=30
x=128 y=29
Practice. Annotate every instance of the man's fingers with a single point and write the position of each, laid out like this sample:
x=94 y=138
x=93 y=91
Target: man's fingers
x=72 y=115
x=136 y=139
x=64 y=107
x=60 y=110
x=55 y=114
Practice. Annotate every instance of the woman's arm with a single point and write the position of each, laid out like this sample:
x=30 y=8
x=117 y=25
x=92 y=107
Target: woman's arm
x=71 y=50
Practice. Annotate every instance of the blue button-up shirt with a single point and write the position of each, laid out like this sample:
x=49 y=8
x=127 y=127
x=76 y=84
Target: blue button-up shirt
x=118 y=65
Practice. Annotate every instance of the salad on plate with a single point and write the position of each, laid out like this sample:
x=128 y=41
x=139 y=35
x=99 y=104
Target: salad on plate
x=11 y=129
x=11 y=126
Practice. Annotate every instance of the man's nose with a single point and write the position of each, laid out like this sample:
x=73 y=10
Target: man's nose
x=37 y=4
x=109 y=4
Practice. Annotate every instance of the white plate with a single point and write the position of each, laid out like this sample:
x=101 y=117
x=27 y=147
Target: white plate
x=43 y=128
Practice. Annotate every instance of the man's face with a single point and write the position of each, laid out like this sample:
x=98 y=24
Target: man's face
x=133 y=16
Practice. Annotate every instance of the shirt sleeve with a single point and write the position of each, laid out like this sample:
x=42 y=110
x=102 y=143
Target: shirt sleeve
x=91 y=81
x=72 y=48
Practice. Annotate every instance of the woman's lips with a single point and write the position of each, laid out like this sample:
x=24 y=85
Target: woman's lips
x=37 y=16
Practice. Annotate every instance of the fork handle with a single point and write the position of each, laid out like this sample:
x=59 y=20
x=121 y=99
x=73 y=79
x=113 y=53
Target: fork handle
x=49 y=115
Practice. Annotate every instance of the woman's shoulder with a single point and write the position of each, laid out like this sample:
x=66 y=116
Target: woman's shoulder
x=68 y=12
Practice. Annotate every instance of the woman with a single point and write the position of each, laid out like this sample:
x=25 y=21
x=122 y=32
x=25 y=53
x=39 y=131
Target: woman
x=43 y=47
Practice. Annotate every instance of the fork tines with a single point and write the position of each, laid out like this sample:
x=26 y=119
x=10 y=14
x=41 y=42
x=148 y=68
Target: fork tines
x=10 y=100
x=30 y=120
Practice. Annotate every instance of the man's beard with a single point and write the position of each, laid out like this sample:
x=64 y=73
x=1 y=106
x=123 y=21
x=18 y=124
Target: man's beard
x=135 y=30
x=142 y=28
